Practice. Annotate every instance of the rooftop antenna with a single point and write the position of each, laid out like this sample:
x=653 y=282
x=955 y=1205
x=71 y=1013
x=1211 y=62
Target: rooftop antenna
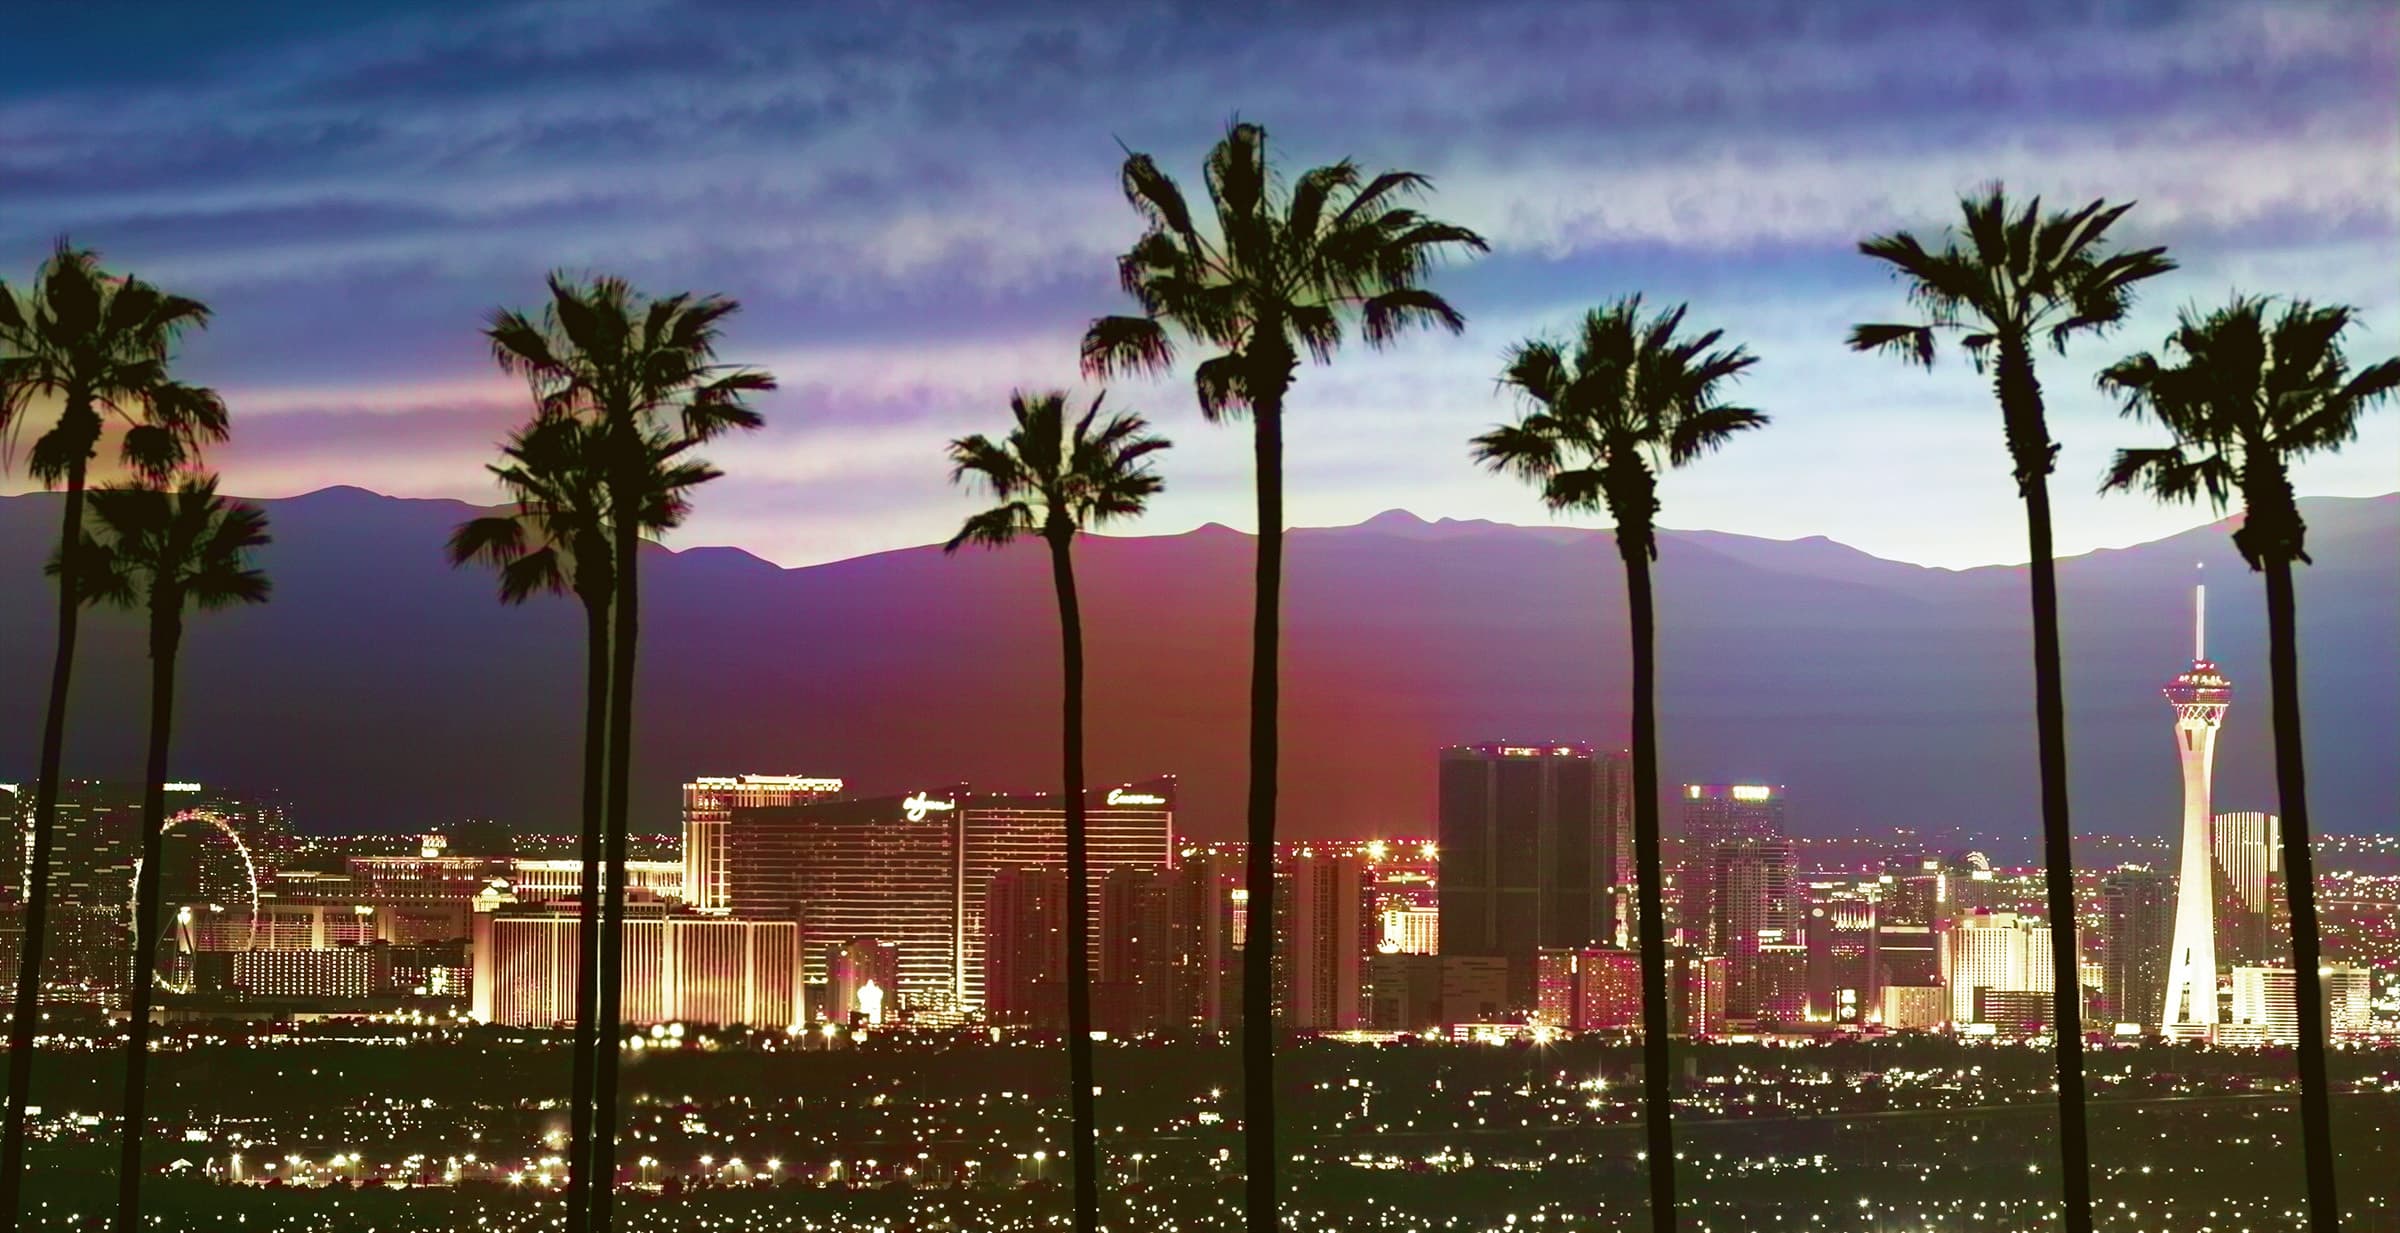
x=2200 y=615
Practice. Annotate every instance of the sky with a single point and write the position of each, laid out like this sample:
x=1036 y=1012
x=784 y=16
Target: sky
x=917 y=206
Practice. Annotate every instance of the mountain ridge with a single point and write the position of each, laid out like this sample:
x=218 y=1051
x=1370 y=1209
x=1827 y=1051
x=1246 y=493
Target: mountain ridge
x=382 y=689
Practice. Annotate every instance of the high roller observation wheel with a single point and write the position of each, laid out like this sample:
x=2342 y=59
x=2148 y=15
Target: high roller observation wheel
x=133 y=898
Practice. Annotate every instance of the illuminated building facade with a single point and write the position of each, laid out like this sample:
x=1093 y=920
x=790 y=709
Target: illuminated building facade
x=913 y=871
x=1328 y=931
x=2266 y=1004
x=1913 y=1008
x=329 y=974
x=1697 y=989
x=678 y=969
x=1529 y=844
x=708 y=805
x=2251 y=913
x=1596 y=989
x=1129 y=826
x=2000 y=951
x=560 y=881
x=1841 y=935
x=2200 y=697
x=1715 y=815
x=1753 y=896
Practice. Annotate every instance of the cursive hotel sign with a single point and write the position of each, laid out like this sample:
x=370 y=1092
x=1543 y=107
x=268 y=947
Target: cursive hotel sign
x=1119 y=796
x=914 y=808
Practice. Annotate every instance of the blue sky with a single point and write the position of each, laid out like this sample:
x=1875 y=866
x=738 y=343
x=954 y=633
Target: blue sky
x=917 y=204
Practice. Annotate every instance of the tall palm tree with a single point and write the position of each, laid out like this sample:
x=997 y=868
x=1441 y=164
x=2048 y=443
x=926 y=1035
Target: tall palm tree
x=2017 y=277
x=2244 y=398
x=1053 y=479
x=1287 y=272
x=156 y=551
x=556 y=541
x=1606 y=413
x=643 y=374
x=83 y=353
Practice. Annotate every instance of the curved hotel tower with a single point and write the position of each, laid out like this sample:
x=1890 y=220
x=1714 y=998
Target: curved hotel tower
x=2199 y=697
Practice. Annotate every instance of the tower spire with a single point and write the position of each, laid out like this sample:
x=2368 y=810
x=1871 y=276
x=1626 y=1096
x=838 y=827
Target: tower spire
x=2200 y=617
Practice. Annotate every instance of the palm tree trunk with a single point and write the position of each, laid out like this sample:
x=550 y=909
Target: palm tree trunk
x=2033 y=453
x=612 y=923
x=37 y=891
x=2058 y=858
x=1079 y=898
x=1258 y=949
x=1658 y=1103
x=587 y=934
x=2300 y=888
x=165 y=633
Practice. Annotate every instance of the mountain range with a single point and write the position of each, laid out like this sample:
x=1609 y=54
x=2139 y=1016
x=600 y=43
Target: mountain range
x=382 y=689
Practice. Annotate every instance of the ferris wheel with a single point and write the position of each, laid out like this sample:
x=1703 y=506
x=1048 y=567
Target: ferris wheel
x=212 y=891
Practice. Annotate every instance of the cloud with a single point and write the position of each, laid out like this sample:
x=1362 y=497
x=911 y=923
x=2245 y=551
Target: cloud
x=917 y=204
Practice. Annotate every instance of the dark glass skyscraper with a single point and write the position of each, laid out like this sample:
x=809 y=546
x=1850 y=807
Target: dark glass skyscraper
x=1529 y=849
x=2139 y=906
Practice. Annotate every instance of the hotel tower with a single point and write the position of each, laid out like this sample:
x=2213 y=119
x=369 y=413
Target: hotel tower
x=2199 y=697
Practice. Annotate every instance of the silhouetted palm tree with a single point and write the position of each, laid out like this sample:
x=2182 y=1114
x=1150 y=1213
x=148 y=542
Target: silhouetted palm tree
x=556 y=541
x=2245 y=398
x=1053 y=479
x=643 y=374
x=1630 y=400
x=82 y=352
x=153 y=551
x=1286 y=272
x=2015 y=278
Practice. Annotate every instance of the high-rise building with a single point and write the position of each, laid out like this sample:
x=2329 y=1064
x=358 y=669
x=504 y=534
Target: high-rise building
x=1329 y=934
x=1994 y=951
x=2138 y=906
x=1129 y=826
x=1024 y=948
x=2248 y=849
x=1528 y=850
x=2266 y=1003
x=1166 y=945
x=1595 y=989
x=1697 y=990
x=678 y=969
x=1715 y=815
x=2200 y=697
x=1909 y=912
x=913 y=871
x=1751 y=890
x=708 y=805
x=1406 y=991
x=1841 y=933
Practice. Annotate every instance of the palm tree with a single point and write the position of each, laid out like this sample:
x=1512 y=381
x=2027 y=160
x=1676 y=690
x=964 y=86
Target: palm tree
x=151 y=550
x=2015 y=278
x=1631 y=400
x=89 y=352
x=1287 y=272
x=642 y=373
x=2244 y=399
x=556 y=541
x=1054 y=479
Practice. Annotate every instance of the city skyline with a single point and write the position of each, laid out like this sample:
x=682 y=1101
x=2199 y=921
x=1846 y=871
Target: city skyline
x=286 y=166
